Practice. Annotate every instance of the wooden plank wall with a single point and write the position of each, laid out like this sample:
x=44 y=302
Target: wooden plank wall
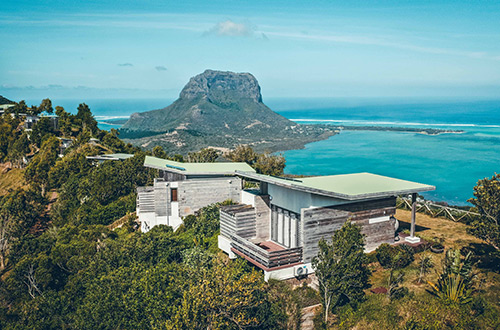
x=197 y=193
x=371 y=205
x=319 y=223
x=245 y=223
x=263 y=217
x=376 y=233
x=170 y=176
x=238 y=219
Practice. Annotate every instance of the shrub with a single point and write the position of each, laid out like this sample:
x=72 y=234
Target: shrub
x=384 y=254
x=455 y=284
x=398 y=256
x=478 y=305
x=404 y=256
x=372 y=257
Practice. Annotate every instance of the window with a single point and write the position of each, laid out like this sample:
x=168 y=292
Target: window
x=173 y=193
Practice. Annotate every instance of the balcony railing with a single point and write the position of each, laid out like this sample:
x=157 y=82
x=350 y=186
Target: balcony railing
x=267 y=259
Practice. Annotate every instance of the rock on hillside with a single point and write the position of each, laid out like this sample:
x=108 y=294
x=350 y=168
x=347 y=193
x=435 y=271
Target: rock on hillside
x=221 y=109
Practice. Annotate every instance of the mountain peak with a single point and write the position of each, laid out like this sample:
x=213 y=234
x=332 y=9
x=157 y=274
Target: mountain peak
x=222 y=109
x=222 y=87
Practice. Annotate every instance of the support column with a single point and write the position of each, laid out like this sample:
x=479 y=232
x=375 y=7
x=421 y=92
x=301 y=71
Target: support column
x=412 y=238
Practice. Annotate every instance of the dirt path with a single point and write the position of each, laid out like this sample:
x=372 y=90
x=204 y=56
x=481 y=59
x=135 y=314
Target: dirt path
x=307 y=320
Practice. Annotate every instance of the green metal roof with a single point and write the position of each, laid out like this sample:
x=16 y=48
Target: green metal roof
x=347 y=186
x=118 y=156
x=196 y=168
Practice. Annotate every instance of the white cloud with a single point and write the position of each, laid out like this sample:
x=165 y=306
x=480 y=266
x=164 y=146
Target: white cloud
x=231 y=29
x=383 y=42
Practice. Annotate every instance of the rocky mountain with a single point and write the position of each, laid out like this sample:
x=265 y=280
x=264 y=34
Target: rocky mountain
x=218 y=109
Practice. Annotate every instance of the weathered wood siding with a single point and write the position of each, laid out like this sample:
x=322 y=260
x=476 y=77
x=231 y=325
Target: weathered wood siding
x=319 y=223
x=263 y=217
x=264 y=259
x=369 y=206
x=170 y=176
x=195 y=194
x=237 y=219
x=376 y=233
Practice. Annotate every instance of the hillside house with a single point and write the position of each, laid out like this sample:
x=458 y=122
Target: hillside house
x=183 y=188
x=31 y=120
x=277 y=226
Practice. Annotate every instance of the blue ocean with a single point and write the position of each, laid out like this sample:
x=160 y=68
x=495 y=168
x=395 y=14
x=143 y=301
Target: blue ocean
x=451 y=162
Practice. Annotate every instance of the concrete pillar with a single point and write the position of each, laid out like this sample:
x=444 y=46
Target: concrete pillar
x=412 y=238
x=413 y=213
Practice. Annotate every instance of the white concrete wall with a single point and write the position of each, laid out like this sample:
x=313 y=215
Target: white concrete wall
x=286 y=273
x=147 y=220
x=225 y=245
x=248 y=197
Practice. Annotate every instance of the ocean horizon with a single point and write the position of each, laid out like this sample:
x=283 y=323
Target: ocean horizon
x=451 y=162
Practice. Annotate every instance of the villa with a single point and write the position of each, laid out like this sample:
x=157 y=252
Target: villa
x=184 y=188
x=277 y=226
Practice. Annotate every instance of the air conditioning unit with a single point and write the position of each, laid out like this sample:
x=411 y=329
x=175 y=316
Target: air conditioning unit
x=300 y=270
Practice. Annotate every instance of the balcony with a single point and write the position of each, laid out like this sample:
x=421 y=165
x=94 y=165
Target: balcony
x=238 y=224
x=266 y=255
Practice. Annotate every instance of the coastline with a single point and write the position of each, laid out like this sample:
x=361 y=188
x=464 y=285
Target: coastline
x=418 y=130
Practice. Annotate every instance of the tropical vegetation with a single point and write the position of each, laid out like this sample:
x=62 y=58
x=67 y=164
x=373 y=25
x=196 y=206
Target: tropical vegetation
x=64 y=264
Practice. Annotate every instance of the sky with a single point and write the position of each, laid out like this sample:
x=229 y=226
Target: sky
x=150 y=49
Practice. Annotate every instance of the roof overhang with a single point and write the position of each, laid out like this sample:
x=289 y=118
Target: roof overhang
x=201 y=169
x=298 y=184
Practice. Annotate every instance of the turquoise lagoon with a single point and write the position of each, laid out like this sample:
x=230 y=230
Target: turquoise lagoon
x=451 y=162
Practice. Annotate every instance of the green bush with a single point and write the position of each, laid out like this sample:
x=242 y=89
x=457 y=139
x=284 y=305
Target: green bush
x=384 y=254
x=372 y=257
x=404 y=256
x=398 y=256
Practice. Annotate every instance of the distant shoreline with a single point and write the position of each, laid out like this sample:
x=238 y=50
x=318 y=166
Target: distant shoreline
x=424 y=131
x=418 y=130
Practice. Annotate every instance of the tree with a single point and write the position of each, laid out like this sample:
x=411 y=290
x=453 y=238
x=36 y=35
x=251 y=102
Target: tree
x=269 y=164
x=425 y=265
x=487 y=201
x=19 y=149
x=265 y=163
x=342 y=268
x=243 y=154
x=206 y=155
x=37 y=171
x=46 y=106
x=394 y=288
x=159 y=152
x=43 y=129
x=64 y=121
x=8 y=134
x=19 y=108
x=18 y=212
x=85 y=117
x=222 y=297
